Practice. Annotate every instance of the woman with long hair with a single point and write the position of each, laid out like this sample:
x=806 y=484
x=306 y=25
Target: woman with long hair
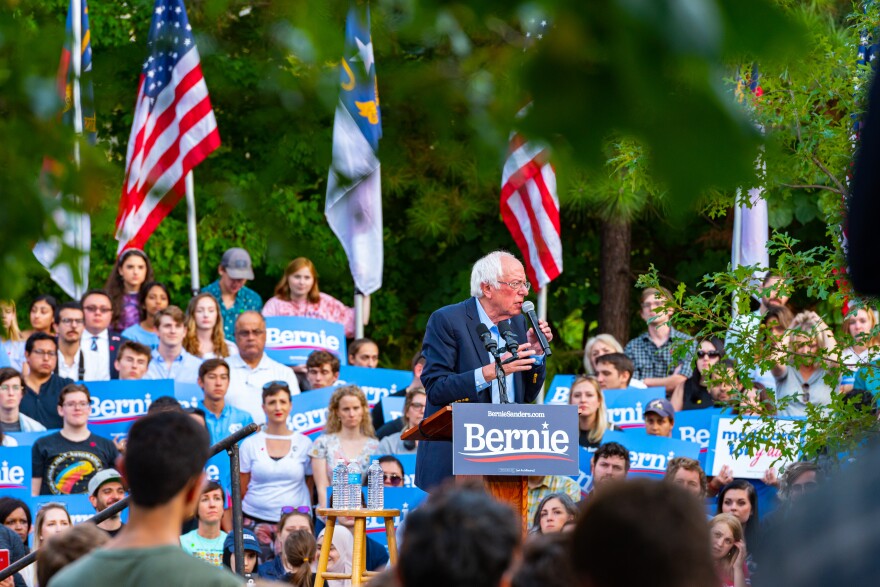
x=554 y=511
x=740 y=499
x=693 y=393
x=132 y=270
x=42 y=316
x=11 y=340
x=152 y=299
x=299 y=551
x=800 y=375
x=52 y=519
x=348 y=436
x=205 y=336
x=297 y=294
x=592 y=413
x=293 y=518
x=728 y=550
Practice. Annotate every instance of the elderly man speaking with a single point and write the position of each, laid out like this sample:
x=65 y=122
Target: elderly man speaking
x=458 y=366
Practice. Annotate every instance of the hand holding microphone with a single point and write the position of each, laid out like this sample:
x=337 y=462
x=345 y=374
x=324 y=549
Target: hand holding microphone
x=540 y=333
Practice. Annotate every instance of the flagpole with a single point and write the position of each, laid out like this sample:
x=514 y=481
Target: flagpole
x=542 y=303
x=737 y=245
x=358 y=315
x=79 y=285
x=193 y=237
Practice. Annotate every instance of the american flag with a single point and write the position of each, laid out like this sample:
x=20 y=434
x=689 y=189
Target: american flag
x=174 y=128
x=530 y=208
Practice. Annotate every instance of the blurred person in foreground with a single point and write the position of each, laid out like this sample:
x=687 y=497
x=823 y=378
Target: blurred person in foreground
x=165 y=485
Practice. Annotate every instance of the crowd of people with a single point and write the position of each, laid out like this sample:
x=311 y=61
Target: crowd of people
x=130 y=330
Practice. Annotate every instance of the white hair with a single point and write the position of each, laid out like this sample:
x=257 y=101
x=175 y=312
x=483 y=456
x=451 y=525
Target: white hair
x=488 y=270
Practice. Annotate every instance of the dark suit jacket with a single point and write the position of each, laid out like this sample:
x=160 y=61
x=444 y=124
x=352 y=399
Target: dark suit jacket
x=453 y=350
x=114 y=338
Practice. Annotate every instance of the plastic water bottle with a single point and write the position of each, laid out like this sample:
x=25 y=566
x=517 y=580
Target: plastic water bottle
x=340 y=485
x=354 y=487
x=376 y=487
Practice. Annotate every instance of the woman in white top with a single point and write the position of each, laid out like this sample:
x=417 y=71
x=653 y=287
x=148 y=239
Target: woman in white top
x=348 y=436
x=274 y=462
x=858 y=324
x=204 y=336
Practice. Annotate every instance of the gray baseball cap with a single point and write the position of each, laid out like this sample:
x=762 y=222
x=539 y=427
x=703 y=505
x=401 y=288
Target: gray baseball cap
x=101 y=477
x=237 y=263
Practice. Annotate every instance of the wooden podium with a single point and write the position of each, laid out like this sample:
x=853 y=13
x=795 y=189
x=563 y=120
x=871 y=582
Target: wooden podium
x=512 y=490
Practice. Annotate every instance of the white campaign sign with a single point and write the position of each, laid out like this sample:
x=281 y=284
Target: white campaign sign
x=728 y=433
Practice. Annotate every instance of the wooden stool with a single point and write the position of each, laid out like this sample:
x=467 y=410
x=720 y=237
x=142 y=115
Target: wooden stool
x=359 y=573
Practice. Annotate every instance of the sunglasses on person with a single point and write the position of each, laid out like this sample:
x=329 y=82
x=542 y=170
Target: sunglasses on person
x=301 y=509
x=53 y=504
x=275 y=383
x=393 y=480
x=799 y=488
x=710 y=354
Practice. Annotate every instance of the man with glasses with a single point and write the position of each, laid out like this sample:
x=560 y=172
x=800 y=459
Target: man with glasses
x=11 y=394
x=42 y=386
x=251 y=369
x=99 y=344
x=457 y=367
x=65 y=462
x=652 y=351
x=70 y=323
x=230 y=290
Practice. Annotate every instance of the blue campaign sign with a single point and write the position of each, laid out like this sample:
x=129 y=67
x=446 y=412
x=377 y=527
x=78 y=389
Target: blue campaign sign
x=649 y=455
x=626 y=407
x=117 y=404
x=584 y=477
x=291 y=339
x=78 y=505
x=404 y=499
x=375 y=383
x=392 y=408
x=29 y=438
x=15 y=472
x=188 y=394
x=217 y=469
x=514 y=439
x=308 y=414
x=559 y=389
x=696 y=426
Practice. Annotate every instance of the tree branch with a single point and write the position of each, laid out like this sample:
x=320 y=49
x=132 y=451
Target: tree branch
x=831 y=176
x=813 y=187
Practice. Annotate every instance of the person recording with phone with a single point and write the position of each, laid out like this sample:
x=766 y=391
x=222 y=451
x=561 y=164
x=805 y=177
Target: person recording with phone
x=459 y=365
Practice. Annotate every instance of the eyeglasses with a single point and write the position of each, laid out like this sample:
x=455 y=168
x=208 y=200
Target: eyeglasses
x=517 y=285
x=394 y=480
x=247 y=333
x=302 y=509
x=76 y=405
x=275 y=383
x=72 y=321
x=799 y=488
x=98 y=309
x=42 y=353
x=417 y=406
x=710 y=354
x=15 y=388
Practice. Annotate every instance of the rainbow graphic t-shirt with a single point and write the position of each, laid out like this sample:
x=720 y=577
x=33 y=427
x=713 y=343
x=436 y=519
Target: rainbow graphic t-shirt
x=66 y=466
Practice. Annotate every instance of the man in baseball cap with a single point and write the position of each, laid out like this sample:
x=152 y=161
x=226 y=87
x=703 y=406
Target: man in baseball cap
x=230 y=291
x=105 y=489
x=659 y=418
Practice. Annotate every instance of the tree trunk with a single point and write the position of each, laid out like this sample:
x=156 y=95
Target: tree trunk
x=614 y=279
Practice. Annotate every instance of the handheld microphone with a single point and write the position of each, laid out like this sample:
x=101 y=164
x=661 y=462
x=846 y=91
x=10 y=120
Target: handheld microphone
x=511 y=344
x=485 y=336
x=528 y=308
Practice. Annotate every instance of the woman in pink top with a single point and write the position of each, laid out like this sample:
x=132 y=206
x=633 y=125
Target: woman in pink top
x=297 y=295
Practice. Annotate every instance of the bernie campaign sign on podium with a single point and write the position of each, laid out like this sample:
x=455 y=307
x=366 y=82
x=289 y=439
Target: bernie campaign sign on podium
x=514 y=439
x=291 y=339
x=375 y=383
x=117 y=404
x=729 y=432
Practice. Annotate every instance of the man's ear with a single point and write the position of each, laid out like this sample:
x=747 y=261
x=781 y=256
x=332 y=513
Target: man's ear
x=192 y=492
